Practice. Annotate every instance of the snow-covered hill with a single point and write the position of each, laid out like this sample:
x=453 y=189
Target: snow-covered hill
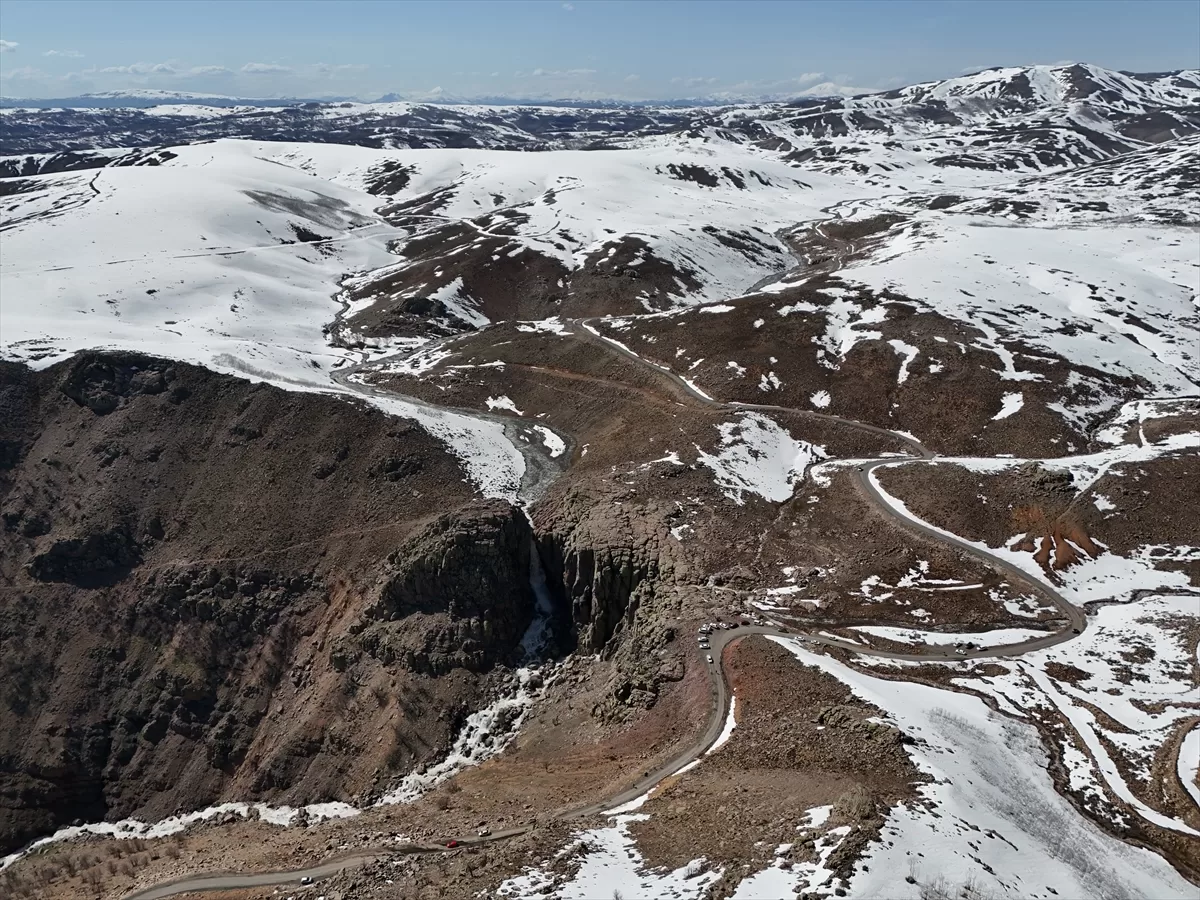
x=231 y=253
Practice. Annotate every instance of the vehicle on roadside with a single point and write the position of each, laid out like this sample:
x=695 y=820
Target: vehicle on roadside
x=450 y=845
x=709 y=658
x=307 y=879
x=484 y=832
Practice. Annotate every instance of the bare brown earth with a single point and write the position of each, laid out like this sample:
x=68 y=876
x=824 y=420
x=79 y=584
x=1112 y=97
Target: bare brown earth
x=951 y=392
x=123 y=511
x=367 y=669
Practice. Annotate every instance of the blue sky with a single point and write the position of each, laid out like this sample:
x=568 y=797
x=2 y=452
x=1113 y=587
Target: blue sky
x=578 y=49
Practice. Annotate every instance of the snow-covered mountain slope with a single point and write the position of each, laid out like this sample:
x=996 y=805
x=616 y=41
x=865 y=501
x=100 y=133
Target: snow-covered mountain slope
x=1019 y=119
x=1112 y=297
x=206 y=255
x=286 y=259
x=1155 y=185
x=218 y=257
x=1052 y=86
x=989 y=267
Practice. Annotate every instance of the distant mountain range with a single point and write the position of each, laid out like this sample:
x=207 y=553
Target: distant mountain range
x=144 y=99
x=1062 y=113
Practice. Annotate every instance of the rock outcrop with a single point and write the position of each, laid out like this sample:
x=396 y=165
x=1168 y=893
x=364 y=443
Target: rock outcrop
x=457 y=595
x=614 y=573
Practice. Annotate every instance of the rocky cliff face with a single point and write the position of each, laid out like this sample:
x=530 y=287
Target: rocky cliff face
x=616 y=578
x=457 y=596
x=211 y=589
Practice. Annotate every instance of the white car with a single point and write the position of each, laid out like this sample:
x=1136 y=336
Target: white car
x=709 y=658
x=307 y=879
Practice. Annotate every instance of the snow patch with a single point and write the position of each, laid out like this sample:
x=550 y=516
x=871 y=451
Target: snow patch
x=503 y=402
x=727 y=730
x=758 y=456
x=1009 y=405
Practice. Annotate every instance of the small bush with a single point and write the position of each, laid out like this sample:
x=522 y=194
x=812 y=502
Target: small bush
x=855 y=805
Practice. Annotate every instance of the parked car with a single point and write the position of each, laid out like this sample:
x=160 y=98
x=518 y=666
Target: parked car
x=709 y=658
x=451 y=844
x=484 y=832
x=307 y=879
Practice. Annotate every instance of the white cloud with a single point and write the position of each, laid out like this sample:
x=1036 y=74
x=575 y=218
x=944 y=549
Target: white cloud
x=8 y=46
x=24 y=73
x=561 y=73
x=693 y=80
x=832 y=89
x=263 y=68
x=632 y=77
x=331 y=70
x=136 y=69
x=208 y=71
x=70 y=54
x=569 y=7
x=808 y=77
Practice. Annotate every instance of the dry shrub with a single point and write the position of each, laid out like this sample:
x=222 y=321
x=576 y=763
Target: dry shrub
x=856 y=805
